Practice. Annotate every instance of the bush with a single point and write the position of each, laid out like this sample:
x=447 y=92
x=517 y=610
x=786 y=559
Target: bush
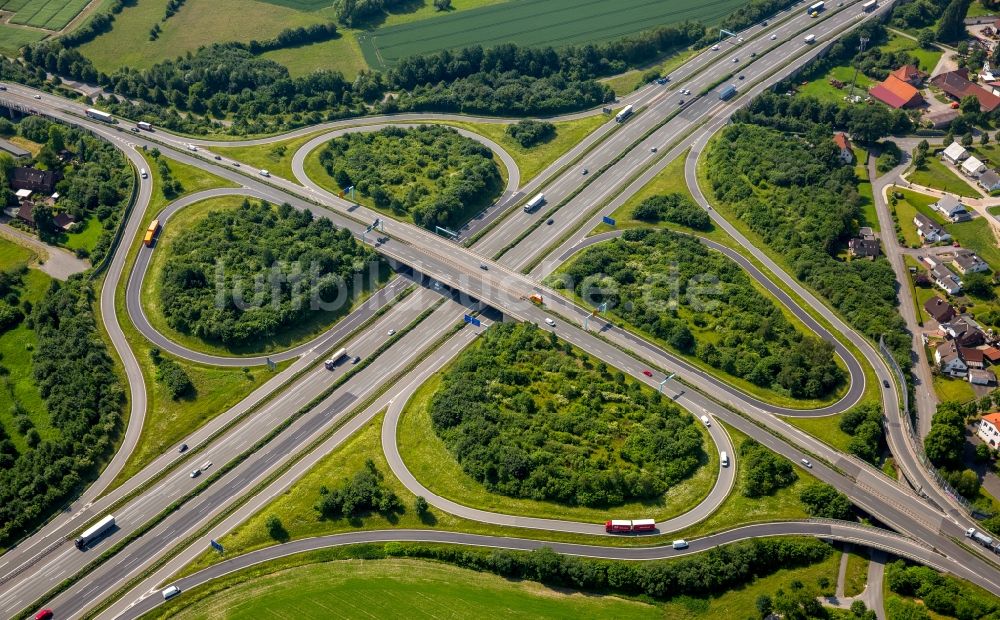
x=359 y=495
x=865 y=425
x=173 y=377
x=942 y=594
x=528 y=133
x=822 y=500
x=675 y=208
x=763 y=471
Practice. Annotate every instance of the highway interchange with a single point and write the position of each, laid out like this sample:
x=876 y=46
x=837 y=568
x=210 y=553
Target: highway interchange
x=621 y=159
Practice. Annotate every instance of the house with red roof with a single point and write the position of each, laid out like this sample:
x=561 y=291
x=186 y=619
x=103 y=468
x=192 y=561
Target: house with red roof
x=844 y=144
x=989 y=429
x=957 y=85
x=896 y=93
x=910 y=74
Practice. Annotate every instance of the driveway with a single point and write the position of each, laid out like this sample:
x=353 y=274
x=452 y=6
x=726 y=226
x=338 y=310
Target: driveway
x=57 y=262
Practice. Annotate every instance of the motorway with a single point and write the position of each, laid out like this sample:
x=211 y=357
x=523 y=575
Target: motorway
x=502 y=286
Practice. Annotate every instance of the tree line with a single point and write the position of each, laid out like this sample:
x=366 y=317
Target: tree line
x=431 y=172
x=83 y=396
x=529 y=417
x=242 y=275
x=942 y=594
x=673 y=288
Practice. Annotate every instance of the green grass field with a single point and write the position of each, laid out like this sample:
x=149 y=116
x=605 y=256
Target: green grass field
x=857 y=572
x=18 y=388
x=13 y=38
x=936 y=175
x=48 y=14
x=534 y=22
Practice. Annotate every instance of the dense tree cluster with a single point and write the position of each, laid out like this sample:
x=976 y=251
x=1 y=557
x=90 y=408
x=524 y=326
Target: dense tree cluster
x=800 y=198
x=246 y=274
x=363 y=493
x=822 y=500
x=864 y=424
x=951 y=26
x=433 y=173
x=172 y=376
x=676 y=208
x=763 y=471
x=700 y=575
x=946 y=438
x=528 y=417
x=355 y=12
x=942 y=594
x=76 y=378
x=11 y=313
x=753 y=12
x=528 y=132
x=667 y=284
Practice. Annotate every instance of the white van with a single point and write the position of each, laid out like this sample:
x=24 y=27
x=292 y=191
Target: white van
x=143 y=173
x=705 y=420
x=170 y=592
x=680 y=544
x=265 y=173
x=724 y=458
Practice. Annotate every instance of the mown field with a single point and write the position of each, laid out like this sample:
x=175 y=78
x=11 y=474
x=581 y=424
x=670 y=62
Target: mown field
x=534 y=22
x=48 y=14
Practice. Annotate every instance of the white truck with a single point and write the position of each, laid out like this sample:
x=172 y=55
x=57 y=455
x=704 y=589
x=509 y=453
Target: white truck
x=334 y=359
x=100 y=115
x=979 y=537
x=625 y=113
x=869 y=6
x=95 y=531
x=534 y=203
x=144 y=126
x=810 y=38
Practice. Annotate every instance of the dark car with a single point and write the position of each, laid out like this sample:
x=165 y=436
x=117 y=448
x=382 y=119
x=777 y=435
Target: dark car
x=218 y=158
x=550 y=221
x=182 y=448
x=484 y=267
x=741 y=77
x=357 y=358
x=236 y=163
x=885 y=383
x=134 y=129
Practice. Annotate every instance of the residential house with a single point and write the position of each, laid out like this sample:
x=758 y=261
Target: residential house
x=951 y=207
x=948 y=281
x=26 y=212
x=972 y=167
x=43 y=181
x=863 y=248
x=64 y=221
x=992 y=354
x=964 y=331
x=982 y=377
x=973 y=358
x=939 y=309
x=13 y=150
x=910 y=74
x=957 y=86
x=844 y=144
x=989 y=429
x=955 y=153
x=949 y=360
x=928 y=230
x=896 y=93
x=967 y=262
x=990 y=181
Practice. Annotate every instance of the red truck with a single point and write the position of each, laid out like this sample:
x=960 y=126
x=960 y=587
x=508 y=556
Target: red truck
x=626 y=526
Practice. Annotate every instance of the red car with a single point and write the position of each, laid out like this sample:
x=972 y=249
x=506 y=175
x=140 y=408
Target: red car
x=45 y=614
x=647 y=373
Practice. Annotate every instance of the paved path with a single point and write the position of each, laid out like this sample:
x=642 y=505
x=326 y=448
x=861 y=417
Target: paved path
x=828 y=530
x=57 y=262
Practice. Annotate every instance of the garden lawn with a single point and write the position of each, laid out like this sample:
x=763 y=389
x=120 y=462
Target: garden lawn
x=977 y=235
x=937 y=175
x=928 y=57
x=12 y=254
x=957 y=390
x=822 y=89
x=17 y=347
x=905 y=212
x=86 y=237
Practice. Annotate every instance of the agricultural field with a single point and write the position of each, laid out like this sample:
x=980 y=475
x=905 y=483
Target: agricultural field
x=48 y=14
x=534 y=22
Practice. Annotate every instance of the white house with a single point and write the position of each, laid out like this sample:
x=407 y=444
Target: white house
x=955 y=153
x=990 y=181
x=947 y=357
x=989 y=429
x=947 y=280
x=844 y=144
x=952 y=208
x=928 y=230
x=967 y=262
x=973 y=167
